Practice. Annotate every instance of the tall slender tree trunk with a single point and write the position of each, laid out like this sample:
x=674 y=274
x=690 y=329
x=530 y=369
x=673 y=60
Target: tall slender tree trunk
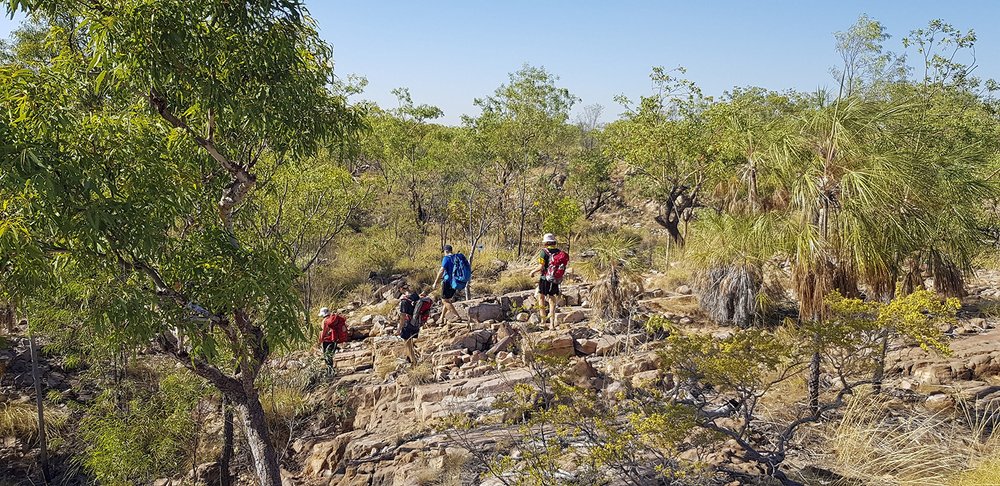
x=265 y=459
x=522 y=193
x=43 y=448
x=226 y=456
x=814 y=383
x=7 y=318
x=879 y=374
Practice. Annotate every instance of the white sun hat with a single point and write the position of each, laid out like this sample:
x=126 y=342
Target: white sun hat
x=549 y=238
x=325 y=311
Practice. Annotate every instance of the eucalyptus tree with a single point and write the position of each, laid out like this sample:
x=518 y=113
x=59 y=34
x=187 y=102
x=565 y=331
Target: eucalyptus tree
x=132 y=153
x=590 y=170
x=665 y=143
x=521 y=126
x=397 y=150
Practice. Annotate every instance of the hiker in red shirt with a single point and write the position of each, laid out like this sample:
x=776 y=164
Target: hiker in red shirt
x=334 y=332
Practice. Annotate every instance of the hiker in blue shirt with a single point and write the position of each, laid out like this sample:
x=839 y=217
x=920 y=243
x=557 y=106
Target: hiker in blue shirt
x=454 y=275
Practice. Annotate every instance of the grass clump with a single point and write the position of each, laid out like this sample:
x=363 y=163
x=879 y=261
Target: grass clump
x=986 y=473
x=20 y=420
x=444 y=470
x=513 y=282
x=904 y=447
x=421 y=374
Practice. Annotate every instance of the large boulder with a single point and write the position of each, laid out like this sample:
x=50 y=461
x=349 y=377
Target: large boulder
x=517 y=300
x=582 y=373
x=571 y=295
x=939 y=402
x=613 y=344
x=504 y=344
x=487 y=311
x=554 y=343
x=481 y=310
x=480 y=340
x=573 y=316
x=354 y=360
x=585 y=346
x=326 y=456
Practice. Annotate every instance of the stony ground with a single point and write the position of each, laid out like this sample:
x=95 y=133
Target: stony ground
x=374 y=422
x=390 y=437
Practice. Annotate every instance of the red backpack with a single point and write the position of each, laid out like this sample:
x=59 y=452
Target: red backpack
x=556 y=268
x=421 y=312
x=338 y=328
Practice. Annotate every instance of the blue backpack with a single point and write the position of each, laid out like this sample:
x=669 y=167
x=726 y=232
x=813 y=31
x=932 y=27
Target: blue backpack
x=460 y=273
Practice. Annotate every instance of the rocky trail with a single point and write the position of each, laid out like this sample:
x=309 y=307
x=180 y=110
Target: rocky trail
x=390 y=438
x=377 y=421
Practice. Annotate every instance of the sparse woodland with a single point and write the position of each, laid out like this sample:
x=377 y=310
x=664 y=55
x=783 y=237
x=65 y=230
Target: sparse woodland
x=766 y=287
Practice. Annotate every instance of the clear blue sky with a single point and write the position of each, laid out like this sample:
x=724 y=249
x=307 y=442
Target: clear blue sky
x=450 y=52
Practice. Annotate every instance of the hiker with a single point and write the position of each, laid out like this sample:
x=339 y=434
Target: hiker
x=552 y=264
x=454 y=275
x=414 y=310
x=334 y=332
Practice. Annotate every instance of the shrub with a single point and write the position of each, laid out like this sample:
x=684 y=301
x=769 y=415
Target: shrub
x=135 y=435
x=618 y=267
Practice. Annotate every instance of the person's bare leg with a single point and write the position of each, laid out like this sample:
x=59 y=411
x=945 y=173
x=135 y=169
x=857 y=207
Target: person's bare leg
x=552 y=311
x=411 y=352
x=542 y=306
x=450 y=307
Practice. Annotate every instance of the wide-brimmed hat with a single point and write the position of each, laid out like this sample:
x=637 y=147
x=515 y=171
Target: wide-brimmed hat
x=325 y=311
x=549 y=238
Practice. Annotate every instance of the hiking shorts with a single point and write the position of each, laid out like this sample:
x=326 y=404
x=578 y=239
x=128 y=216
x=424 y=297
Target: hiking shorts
x=447 y=291
x=409 y=331
x=548 y=287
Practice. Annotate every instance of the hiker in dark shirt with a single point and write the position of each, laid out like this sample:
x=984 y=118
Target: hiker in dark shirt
x=414 y=310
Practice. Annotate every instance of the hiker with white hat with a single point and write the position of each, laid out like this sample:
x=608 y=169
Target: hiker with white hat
x=334 y=332
x=552 y=264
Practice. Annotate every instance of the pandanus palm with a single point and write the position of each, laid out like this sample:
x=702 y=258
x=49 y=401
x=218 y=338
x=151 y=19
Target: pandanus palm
x=616 y=265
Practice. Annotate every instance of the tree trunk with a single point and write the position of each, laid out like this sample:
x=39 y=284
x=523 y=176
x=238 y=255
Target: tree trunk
x=7 y=318
x=520 y=234
x=43 y=449
x=226 y=456
x=265 y=458
x=675 y=211
x=879 y=373
x=672 y=226
x=814 y=383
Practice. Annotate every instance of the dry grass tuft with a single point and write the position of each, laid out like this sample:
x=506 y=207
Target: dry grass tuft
x=444 y=471
x=420 y=374
x=283 y=403
x=884 y=445
x=20 y=420
x=513 y=282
